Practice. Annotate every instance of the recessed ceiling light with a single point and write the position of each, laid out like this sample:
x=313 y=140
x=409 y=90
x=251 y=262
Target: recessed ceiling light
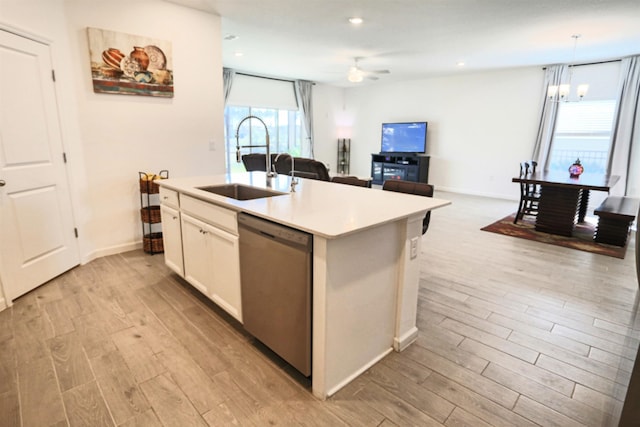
x=230 y=37
x=460 y=64
x=238 y=53
x=355 y=20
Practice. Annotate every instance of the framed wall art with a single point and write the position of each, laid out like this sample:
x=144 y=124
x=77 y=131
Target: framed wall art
x=126 y=64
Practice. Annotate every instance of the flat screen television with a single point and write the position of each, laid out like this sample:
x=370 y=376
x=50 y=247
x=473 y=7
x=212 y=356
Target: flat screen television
x=408 y=137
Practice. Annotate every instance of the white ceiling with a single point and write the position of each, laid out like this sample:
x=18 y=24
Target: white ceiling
x=313 y=40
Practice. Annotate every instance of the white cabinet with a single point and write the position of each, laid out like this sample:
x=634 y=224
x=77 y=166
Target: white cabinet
x=212 y=261
x=172 y=238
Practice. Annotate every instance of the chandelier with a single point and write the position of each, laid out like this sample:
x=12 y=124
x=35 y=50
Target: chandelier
x=560 y=93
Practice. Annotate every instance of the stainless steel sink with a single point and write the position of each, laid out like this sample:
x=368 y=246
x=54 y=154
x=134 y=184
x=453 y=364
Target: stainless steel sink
x=240 y=191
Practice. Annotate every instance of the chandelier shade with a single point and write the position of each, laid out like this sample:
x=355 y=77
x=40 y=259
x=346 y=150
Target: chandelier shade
x=562 y=92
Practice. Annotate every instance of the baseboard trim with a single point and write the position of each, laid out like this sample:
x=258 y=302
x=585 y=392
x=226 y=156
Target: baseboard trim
x=476 y=193
x=111 y=250
x=399 y=344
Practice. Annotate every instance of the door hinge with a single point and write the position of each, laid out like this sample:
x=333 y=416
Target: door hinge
x=64 y=157
x=53 y=75
x=75 y=231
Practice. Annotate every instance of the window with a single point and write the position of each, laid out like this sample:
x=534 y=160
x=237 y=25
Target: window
x=583 y=130
x=284 y=126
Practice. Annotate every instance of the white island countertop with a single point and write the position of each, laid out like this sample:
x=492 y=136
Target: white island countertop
x=322 y=208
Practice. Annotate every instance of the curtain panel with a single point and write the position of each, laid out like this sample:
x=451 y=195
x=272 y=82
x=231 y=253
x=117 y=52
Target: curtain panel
x=304 y=95
x=228 y=75
x=626 y=125
x=548 y=115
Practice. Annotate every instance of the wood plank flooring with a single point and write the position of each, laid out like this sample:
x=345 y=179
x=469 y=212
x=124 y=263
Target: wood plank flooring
x=512 y=333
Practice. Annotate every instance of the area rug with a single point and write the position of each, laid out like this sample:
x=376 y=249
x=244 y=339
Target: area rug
x=582 y=238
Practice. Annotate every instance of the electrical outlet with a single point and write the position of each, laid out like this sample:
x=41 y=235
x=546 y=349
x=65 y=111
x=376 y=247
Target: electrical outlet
x=414 y=247
x=212 y=145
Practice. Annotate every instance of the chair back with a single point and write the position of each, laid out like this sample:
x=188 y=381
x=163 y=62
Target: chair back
x=312 y=168
x=410 y=187
x=256 y=161
x=529 y=193
x=351 y=180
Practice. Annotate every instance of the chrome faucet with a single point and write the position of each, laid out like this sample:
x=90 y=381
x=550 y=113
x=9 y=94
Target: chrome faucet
x=294 y=180
x=270 y=173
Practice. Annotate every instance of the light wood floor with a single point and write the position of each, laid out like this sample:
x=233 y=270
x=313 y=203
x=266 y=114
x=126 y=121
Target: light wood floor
x=512 y=333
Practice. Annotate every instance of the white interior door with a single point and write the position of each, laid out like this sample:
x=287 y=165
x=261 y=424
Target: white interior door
x=37 y=236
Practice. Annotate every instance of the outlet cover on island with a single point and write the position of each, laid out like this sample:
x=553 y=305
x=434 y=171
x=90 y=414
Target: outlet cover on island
x=414 y=247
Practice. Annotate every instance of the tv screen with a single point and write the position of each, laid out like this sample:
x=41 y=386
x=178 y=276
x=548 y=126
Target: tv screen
x=404 y=137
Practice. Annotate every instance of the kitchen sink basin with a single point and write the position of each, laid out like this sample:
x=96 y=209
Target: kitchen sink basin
x=240 y=191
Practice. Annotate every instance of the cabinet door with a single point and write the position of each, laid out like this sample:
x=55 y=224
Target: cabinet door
x=225 y=265
x=212 y=263
x=172 y=239
x=197 y=269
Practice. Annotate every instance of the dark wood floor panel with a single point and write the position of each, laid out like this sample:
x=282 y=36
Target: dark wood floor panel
x=506 y=338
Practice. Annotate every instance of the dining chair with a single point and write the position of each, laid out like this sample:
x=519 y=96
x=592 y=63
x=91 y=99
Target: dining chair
x=410 y=187
x=313 y=168
x=529 y=193
x=351 y=180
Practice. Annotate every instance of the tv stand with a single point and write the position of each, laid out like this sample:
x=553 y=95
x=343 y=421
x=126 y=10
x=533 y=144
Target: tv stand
x=405 y=166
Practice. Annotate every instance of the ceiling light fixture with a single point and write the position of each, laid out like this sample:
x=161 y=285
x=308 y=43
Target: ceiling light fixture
x=356 y=21
x=238 y=54
x=460 y=63
x=230 y=37
x=355 y=75
x=558 y=93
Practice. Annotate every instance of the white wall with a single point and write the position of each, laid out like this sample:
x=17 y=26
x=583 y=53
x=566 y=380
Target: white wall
x=481 y=126
x=109 y=138
x=330 y=122
x=122 y=135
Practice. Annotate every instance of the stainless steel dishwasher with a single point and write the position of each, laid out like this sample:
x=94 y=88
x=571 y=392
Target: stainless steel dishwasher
x=275 y=274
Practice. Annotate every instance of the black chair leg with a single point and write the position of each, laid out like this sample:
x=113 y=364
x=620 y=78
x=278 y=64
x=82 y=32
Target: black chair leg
x=521 y=207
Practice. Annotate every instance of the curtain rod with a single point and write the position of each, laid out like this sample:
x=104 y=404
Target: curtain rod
x=268 y=78
x=590 y=63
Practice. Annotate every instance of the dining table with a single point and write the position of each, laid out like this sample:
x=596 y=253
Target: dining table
x=564 y=199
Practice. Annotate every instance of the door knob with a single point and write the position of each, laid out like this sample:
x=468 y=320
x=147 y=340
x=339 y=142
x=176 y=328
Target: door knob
x=2 y=183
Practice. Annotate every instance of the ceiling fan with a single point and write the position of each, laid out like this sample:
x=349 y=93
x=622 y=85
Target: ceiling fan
x=357 y=74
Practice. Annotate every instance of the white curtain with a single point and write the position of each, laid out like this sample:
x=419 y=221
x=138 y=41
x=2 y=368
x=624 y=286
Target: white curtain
x=228 y=75
x=627 y=123
x=303 y=94
x=548 y=114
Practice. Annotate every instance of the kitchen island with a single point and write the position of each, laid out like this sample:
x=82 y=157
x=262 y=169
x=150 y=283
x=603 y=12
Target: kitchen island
x=365 y=261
